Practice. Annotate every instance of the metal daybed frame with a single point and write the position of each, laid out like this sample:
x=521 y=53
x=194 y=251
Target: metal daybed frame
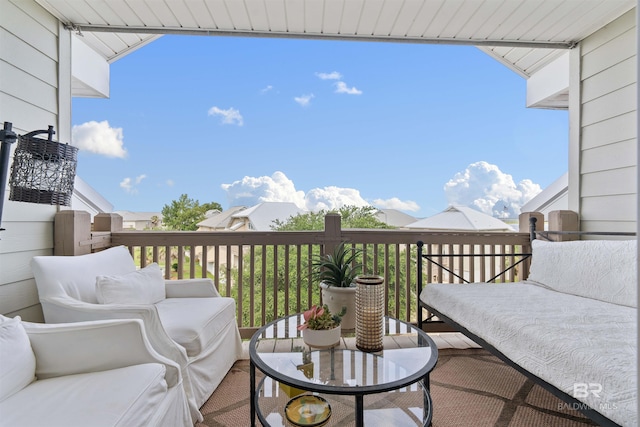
x=592 y=414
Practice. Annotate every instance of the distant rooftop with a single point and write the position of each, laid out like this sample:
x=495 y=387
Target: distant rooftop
x=461 y=218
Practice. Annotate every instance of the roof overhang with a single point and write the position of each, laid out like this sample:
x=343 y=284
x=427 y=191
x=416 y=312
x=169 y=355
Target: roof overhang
x=525 y=35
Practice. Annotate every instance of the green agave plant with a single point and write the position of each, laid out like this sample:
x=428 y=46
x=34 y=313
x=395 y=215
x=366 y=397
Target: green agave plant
x=338 y=268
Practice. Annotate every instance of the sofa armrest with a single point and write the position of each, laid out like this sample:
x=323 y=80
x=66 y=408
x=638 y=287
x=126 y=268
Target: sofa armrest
x=75 y=348
x=191 y=288
x=67 y=309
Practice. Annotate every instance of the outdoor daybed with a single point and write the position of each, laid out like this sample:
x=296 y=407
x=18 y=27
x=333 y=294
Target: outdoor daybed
x=571 y=325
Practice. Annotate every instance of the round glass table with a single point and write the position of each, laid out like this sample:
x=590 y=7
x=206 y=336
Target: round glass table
x=304 y=386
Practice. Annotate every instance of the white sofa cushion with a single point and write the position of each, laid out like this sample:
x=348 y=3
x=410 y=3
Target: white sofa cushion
x=196 y=323
x=144 y=286
x=600 y=269
x=126 y=396
x=17 y=361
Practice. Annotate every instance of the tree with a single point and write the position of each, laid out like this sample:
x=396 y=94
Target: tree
x=351 y=217
x=184 y=214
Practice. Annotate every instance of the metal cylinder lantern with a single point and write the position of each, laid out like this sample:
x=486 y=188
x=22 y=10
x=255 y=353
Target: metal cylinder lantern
x=43 y=170
x=369 y=313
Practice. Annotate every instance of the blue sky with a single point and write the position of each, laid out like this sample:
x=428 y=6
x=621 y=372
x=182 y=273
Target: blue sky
x=319 y=123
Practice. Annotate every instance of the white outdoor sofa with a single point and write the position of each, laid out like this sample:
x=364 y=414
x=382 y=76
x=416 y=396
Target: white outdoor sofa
x=185 y=320
x=571 y=326
x=101 y=374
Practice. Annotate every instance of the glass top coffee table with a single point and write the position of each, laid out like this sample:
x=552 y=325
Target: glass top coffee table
x=304 y=386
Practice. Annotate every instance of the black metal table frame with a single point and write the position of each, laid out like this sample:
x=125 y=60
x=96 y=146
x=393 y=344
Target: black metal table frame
x=422 y=376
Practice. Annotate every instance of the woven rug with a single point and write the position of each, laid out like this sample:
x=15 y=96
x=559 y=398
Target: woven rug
x=469 y=388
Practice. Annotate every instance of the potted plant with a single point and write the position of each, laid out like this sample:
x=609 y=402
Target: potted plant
x=336 y=273
x=321 y=328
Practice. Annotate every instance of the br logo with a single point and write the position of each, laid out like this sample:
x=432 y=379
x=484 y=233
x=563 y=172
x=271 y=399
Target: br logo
x=584 y=389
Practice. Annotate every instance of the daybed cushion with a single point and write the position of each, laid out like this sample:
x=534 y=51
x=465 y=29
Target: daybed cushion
x=558 y=337
x=607 y=269
x=144 y=286
x=196 y=323
x=125 y=397
x=17 y=361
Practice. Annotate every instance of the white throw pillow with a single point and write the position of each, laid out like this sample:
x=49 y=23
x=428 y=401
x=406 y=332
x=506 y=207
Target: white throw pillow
x=17 y=361
x=144 y=286
x=599 y=269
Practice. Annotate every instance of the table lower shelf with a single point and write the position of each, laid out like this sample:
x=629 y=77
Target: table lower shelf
x=408 y=406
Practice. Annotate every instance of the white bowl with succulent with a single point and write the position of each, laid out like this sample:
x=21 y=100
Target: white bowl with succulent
x=321 y=328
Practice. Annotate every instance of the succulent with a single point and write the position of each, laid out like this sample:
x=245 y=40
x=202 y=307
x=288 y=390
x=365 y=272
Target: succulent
x=338 y=268
x=320 y=318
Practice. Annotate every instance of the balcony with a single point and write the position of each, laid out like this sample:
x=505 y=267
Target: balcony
x=269 y=276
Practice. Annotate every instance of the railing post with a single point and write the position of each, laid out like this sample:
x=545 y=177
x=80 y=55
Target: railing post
x=332 y=232
x=107 y=222
x=524 y=222
x=72 y=233
x=563 y=220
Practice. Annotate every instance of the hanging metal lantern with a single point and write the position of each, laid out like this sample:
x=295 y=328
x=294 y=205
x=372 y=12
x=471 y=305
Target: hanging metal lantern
x=43 y=170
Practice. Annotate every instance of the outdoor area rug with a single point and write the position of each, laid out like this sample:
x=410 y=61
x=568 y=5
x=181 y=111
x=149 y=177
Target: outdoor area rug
x=469 y=387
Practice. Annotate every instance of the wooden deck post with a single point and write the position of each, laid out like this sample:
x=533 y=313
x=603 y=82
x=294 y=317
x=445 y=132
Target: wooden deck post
x=107 y=222
x=332 y=231
x=563 y=221
x=71 y=232
x=523 y=221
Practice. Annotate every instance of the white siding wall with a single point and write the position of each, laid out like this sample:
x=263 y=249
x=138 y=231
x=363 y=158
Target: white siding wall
x=34 y=93
x=605 y=161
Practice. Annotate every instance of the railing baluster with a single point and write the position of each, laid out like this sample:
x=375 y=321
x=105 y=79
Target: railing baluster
x=397 y=281
x=252 y=284
x=204 y=262
x=298 y=308
x=408 y=291
x=263 y=293
x=240 y=284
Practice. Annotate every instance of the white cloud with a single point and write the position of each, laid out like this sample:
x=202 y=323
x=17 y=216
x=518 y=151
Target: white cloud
x=269 y=88
x=334 y=75
x=341 y=87
x=329 y=198
x=170 y=183
x=99 y=138
x=230 y=116
x=253 y=190
x=485 y=187
x=395 y=203
x=130 y=185
x=304 y=100
x=279 y=188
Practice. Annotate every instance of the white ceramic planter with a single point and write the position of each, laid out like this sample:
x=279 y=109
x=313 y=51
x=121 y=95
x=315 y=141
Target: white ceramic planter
x=323 y=338
x=336 y=298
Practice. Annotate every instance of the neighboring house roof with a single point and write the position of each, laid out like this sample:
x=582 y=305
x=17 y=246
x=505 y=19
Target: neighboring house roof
x=220 y=220
x=554 y=197
x=262 y=215
x=138 y=216
x=394 y=217
x=461 y=218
